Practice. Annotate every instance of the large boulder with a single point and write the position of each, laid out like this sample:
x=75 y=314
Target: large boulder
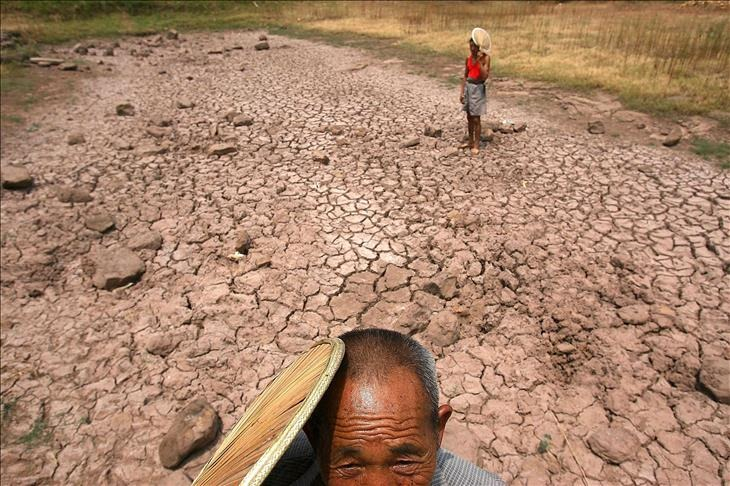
x=117 y=268
x=673 y=137
x=242 y=121
x=443 y=328
x=16 y=177
x=101 y=222
x=68 y=194
x=243 y=242
x=125 y=109
x=596 y=127
x=222 y=149
x=193 y=428
x=715 y=377
x=75 y=138
x=614 y=444
x=146 y=240
x=410 y=142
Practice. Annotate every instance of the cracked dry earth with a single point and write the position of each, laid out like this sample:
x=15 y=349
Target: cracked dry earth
x=570 y=285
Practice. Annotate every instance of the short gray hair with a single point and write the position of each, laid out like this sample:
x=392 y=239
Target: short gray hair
x=375 y=352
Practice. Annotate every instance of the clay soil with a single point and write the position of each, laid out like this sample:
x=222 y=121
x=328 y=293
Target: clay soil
x=565 y=281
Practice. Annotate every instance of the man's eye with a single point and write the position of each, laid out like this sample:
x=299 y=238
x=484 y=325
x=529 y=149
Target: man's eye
x=348 y=470
x=405 y=465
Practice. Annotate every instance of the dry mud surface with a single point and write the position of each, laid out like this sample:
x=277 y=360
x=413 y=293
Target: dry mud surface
x=561 y=278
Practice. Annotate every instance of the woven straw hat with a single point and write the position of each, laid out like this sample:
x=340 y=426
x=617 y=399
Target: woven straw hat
x=481 y=39
x=255 y=444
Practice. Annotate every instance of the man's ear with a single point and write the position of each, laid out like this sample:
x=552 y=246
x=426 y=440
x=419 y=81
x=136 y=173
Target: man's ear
x=444 y=414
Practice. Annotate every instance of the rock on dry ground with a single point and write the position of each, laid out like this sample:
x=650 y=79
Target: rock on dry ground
x=560 y=277
x=195 y=426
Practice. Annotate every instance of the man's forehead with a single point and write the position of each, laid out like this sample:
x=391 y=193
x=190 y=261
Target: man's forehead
x=398 y=390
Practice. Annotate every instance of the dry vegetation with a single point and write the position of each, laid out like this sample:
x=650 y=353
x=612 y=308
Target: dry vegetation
x=661 y=57
x=657 y=56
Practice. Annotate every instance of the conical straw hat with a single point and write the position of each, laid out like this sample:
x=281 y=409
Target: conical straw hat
x=481 y=38
x=252 y=448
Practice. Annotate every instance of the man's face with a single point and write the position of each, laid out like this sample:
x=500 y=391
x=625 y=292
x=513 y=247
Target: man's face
x=473 y=48
x=379 y=433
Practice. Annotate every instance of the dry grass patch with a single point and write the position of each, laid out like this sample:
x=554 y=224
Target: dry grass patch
x=657 y=56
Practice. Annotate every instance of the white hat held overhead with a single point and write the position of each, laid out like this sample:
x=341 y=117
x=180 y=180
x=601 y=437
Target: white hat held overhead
x=481 y=38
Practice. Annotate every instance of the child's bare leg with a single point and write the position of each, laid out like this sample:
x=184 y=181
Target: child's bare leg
x=477 y=132
x=470 y=125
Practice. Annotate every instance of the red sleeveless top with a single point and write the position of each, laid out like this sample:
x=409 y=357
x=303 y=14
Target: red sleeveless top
x=474 y=71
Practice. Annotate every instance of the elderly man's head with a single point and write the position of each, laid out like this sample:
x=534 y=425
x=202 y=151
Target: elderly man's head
x=379 y=422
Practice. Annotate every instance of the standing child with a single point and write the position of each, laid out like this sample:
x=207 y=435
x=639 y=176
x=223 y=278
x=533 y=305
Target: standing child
x=473 y=89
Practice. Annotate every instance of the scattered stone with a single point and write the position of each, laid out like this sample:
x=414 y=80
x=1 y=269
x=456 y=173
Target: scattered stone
x=565 y=348
x=673 y=137
x=68 y=66
x=243 y=242
x=715 y=377
x=434 y=132
x=596 y=127
x=161 y=121
x=193 y=428
x=76 y=138
x=116 y=268
x=634 y=314
x=411 y=142
x=125 y=109
x=505 y=127
x=222 y=149
x=263 y=37
x=172 y=34
x=184 y=103
x=147 y=150
x=242 y=121
x=80 y=49
x=109 y=51
x=101 y=222
x=160 y=344
x=120 y=144
x=147 y=240
x=443 y=329
x=449 y=152
x=487 y=135
x=614 y=444
x=215 y=51
x=443 y=286
x=46 y=61
x=321 y=157
x=158 y=132
x=68 y=194
x=261 y=46
x=520 y=127
x=15 y=177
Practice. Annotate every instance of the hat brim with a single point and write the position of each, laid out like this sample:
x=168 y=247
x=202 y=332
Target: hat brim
x=481 y=38
x=311 y=373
